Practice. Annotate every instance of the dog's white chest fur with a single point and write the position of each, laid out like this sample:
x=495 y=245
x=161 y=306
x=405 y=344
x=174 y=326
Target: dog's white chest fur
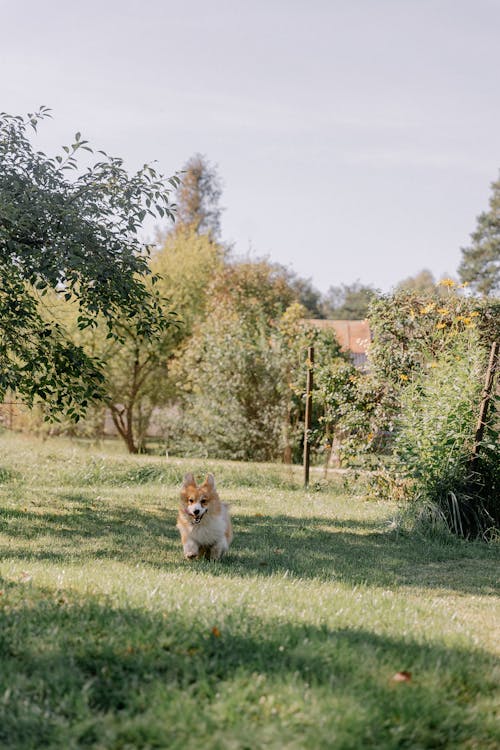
x=210 y=529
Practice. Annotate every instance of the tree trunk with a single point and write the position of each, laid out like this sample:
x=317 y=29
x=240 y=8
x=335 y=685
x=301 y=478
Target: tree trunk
x=122 y=419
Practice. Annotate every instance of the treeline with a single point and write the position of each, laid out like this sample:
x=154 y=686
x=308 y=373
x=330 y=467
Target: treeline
x=217 y=363
x=226 y=377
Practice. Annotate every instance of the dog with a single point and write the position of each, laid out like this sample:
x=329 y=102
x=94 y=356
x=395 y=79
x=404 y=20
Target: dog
x=204 y=521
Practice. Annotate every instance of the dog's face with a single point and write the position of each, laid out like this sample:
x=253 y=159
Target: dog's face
x=196 y=499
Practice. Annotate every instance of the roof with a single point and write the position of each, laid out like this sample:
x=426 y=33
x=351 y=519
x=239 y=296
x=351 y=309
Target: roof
x=353 y=335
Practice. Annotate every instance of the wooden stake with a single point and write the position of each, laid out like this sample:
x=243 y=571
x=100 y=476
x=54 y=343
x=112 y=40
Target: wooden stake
x=485 y=400
x=307 y=421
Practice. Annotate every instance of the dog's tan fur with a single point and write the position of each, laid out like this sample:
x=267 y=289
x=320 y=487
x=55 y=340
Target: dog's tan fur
x=203 y=521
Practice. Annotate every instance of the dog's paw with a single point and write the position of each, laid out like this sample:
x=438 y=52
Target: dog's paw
x=191 y=551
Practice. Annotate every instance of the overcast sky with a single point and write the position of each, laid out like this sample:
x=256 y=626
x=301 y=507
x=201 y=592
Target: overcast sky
x=355 y=139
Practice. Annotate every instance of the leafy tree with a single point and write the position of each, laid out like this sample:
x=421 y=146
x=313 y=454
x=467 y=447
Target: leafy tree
x=198 y=197
x=186 y=262
x=232 y=368
x=480 y=266
x=135 y=376
x=305 y=293
x=244 y=367
x=423 y=281
x=253 y=289
x=236 y=405
x=348 y=301
x=136 y=369
x=137 y=373
x=75 y=231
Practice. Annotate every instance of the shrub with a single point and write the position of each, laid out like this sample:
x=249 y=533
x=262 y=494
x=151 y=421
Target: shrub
x=434 y=445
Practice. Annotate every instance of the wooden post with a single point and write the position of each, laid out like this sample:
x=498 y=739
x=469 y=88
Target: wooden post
x=307 y=421
x=485 y=400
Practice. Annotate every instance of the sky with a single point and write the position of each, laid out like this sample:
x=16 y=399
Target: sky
x=356 y=140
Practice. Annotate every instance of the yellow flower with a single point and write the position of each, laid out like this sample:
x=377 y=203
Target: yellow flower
x=474 y=314
x=440 y=325
x=427 y=309
x=443 y=310
x=447 y=282
x=403 y=376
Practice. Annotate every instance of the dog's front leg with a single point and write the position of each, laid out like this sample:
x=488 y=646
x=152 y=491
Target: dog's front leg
x=191 y=549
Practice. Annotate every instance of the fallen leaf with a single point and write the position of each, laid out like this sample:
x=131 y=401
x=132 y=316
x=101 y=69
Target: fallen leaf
x=402 y=677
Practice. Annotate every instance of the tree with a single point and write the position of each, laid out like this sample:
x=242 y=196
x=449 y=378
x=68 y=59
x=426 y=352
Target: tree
x=137 y=369
x=231 y=370
x=244 y=368
x=348 y=301
x=75 y=231
x=186 y=262
x=138 y=381
x=198 y=197
x=306 y=294
x=423 y=281
x=480 y=266
x=135 y=373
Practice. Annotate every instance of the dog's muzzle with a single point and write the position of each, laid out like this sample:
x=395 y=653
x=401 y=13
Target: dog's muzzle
x=197 y=519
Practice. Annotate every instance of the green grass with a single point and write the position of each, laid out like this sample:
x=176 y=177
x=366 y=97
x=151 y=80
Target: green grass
x=110 y=640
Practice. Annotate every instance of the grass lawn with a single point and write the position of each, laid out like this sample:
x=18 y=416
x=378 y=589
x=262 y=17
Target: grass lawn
x=110 y=640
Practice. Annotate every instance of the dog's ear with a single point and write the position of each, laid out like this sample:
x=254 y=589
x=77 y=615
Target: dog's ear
x=189 y=480
x=210 y=481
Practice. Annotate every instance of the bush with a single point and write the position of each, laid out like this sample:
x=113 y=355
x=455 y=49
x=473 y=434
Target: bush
x=434 y=445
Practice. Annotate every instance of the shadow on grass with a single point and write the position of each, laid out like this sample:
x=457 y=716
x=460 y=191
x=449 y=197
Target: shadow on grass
x=349 y=550
x=88 y=675
x=356 y=552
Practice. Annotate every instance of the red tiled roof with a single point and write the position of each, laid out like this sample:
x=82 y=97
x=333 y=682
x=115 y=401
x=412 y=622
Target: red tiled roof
x=352 y=335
